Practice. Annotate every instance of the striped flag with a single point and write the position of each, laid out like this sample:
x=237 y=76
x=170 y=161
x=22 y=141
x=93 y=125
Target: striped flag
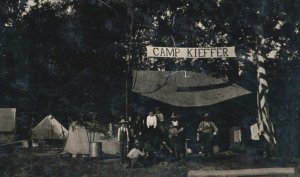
x=264 y=123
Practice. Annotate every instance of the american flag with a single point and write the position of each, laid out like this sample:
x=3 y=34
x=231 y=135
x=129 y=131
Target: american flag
x=264 y=123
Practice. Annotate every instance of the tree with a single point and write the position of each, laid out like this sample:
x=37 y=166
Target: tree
x=59 y=57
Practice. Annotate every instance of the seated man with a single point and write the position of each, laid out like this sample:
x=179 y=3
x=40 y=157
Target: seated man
x=149 y=154
x=165 y=152
x=135 y=156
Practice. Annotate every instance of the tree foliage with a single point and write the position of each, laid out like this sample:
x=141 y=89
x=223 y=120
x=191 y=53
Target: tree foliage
x=71 y=56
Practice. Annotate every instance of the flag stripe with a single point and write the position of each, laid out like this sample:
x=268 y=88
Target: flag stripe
x=265 y=125
x=261 y=70
x=263 y=82
x=260 y=58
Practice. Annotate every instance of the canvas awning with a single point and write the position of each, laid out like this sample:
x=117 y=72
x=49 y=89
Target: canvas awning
x=185 y=88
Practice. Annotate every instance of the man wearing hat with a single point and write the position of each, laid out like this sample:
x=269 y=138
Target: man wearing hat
x=205 y=133
x=176 y=135
x=123 y=138
x=175 y=119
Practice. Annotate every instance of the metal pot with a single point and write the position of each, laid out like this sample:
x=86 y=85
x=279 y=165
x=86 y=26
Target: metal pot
x=95 y=149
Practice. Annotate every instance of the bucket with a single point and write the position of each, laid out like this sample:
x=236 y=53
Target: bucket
x=95 y=149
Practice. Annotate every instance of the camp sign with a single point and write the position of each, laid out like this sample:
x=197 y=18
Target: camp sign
x=186 y=52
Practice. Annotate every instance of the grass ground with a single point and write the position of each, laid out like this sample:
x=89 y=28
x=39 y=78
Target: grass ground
x=47 y=163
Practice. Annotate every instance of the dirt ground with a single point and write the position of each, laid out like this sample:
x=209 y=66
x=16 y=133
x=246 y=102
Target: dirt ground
x=47 y=163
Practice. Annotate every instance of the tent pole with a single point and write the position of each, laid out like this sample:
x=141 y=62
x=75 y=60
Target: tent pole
x=51 y=134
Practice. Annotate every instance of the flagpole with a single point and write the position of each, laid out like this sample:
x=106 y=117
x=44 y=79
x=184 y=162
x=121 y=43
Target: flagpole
x=126 y=91
x=129 y=57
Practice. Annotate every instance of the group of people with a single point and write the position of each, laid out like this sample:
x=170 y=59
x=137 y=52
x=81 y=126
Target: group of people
x=155 y=138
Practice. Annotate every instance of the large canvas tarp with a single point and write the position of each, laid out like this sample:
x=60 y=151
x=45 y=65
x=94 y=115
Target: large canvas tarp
x=49 y=128
x=79 y=138
x=185 y=88
x=7 y=119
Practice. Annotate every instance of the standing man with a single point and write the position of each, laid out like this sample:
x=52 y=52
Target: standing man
x=130 y=126
x=205 y=134
x=151 y=123
x=177 y=136
x=123 y=138
x=160 y=119
x=138 y=127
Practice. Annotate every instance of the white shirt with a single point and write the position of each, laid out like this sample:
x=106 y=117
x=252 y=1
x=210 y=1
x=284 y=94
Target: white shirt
x=135 y=153
x=175 y=123
x=123 y=129
x=151 y=121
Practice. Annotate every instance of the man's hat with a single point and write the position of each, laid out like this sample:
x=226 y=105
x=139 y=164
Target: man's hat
x=136 y=142
x=122 y=121
x=206 y=115
x=175 y=116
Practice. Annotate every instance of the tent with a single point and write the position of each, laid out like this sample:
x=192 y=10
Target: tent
x=185 y=88
x=79 y=138
x=77 y=142
x=7 y=124
x=49 y=128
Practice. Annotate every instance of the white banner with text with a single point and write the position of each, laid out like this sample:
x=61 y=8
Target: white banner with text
x=186 y=52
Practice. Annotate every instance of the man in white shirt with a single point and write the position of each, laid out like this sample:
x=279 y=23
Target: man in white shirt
x=151 y=121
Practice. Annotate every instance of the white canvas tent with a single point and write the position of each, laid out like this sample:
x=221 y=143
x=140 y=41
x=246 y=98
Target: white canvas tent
x=78 y=141
x=49 y=128
x=7 y=124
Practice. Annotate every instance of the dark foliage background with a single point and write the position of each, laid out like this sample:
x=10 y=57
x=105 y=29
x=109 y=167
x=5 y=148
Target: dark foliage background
x=75 y=56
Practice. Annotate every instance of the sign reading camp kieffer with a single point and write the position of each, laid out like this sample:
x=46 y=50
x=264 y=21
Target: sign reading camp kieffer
x=186 y=52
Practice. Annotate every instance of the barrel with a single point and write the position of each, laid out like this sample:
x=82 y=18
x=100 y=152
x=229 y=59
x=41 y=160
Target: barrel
x=95 y=149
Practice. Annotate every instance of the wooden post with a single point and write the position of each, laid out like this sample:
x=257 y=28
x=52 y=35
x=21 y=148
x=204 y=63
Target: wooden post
x=242 y=172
